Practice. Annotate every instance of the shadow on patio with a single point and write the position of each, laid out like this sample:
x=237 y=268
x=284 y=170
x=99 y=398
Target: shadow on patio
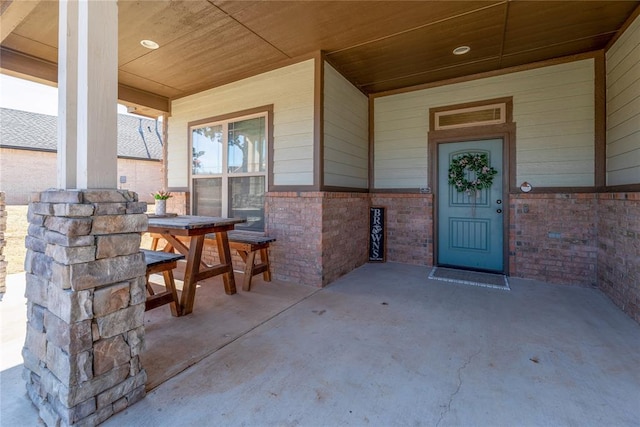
x=383 y=346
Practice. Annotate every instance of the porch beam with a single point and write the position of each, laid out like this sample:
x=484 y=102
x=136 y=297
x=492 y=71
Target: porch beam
x=132 y=96
x=31 y=68
x=28 y=67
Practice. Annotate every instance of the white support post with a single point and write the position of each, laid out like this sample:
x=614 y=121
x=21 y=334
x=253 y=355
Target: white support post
x=97 y=94
x=88 y=75
x=67 y=93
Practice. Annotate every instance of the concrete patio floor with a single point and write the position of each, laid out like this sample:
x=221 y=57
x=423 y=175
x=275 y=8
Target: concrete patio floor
x=385 y=346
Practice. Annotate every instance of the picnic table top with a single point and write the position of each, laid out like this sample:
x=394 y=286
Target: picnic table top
x=190 y=222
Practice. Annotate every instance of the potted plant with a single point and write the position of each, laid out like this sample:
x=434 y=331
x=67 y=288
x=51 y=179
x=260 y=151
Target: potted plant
x=161 y=201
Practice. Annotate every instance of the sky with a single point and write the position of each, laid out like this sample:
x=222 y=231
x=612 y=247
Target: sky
x=19 y=94
x=24 y=95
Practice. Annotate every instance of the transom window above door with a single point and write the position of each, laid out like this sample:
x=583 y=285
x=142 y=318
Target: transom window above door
x=473 y=116
x=229 y=169
x=480 y=113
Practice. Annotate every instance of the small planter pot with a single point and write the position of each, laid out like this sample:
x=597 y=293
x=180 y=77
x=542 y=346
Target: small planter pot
x=161 y=207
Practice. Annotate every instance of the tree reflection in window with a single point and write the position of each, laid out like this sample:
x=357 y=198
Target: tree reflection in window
x=206 y=152
x=246 y=146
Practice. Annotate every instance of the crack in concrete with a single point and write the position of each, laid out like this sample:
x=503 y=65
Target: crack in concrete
x=447 y=407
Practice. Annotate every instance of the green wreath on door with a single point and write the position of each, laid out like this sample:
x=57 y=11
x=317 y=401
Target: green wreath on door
x=477 y=163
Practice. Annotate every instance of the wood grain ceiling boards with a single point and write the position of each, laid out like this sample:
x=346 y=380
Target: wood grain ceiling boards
x=424 y=49
x=378 y=45
x=337 y=25
x=532 y=25
x=215 y=50
x=37 y=35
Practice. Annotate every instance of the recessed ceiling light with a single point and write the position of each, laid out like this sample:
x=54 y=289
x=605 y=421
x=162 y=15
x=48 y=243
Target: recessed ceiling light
x=461 y=50
x=149 y=44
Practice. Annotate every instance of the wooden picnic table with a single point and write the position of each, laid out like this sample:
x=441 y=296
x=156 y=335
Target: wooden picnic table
x=196 y=227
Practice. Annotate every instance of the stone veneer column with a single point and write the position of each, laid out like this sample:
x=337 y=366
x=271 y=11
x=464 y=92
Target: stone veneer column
x=85 y=294
x=3 y=242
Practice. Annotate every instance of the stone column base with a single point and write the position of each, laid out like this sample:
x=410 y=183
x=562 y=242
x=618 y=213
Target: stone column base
x=85 y=289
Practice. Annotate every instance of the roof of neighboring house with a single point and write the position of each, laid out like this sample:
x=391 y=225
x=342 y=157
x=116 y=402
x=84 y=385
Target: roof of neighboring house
x=137 y=137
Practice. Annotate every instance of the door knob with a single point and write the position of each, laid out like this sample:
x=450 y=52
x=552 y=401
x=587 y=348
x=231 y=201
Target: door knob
x=499 y=210
x=499 y=201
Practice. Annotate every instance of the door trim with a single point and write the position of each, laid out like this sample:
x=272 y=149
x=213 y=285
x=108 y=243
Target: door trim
x=506 y=132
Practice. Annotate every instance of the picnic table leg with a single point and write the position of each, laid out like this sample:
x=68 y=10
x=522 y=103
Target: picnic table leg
x=249 y=260
x=170 y=284
x=248 y=268
x=224 y=253
x=264 y=259
x=191 y=272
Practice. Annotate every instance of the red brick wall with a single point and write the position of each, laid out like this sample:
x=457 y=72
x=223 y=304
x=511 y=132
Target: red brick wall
x=316 y=252
x=179 y=203
x=324 y=235
x=345 y=233
x=295 y=220
x=583 y=239
x=619 y=250
x=210 y=256
x=320 y=236
x=409 y=224
x=553 y=238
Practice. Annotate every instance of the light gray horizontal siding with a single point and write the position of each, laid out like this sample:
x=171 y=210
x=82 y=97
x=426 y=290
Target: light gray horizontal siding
x=553 y=111
x=623 y=108
x=291 y=91
x=346 y=132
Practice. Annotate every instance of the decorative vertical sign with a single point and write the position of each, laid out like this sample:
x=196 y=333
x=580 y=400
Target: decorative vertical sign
x=377 y=232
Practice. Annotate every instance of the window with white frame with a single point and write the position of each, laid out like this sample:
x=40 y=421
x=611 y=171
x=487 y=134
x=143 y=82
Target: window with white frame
x=229 y=169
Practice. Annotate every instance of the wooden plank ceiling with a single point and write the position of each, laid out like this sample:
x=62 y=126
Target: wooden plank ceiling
x=377 y=45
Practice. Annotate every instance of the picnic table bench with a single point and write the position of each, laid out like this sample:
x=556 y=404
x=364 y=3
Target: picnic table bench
x=247 y=245
x=162 y=262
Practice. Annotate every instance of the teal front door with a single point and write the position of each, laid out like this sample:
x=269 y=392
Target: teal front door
x=470 y=223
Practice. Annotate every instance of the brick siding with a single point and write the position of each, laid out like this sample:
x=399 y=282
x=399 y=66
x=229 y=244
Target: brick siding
x=619 y=250
x=553 y=238
x=143 y=176
x=307 y=251
x=582 y=239
x=179 y=203
x=345 y=233
x=295 y=220
x=18 y=185
x=409 y=224
x=320 y=236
